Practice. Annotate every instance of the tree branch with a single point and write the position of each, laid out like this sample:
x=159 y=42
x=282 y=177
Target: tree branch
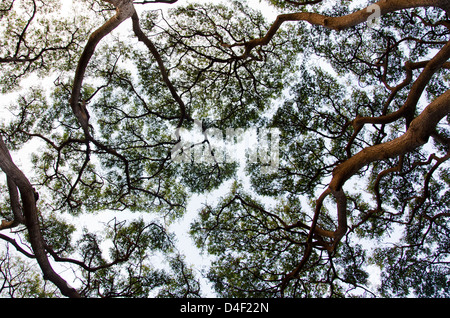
x=31 y=220
x=338 y=23
x=149 y=44
x=408 y=108
x=124 y=10
x=421 y=128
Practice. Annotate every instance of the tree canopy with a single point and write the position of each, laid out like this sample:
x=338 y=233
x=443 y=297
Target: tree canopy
x=123 y=111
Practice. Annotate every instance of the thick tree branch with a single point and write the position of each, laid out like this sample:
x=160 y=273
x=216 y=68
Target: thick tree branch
x=14 y=202
x=149 y=44
x=418 y=133
x=15 y=206
x=408 y=108
x=339 y=23
x=124 y=10
x=421 y=128
x=30 y=212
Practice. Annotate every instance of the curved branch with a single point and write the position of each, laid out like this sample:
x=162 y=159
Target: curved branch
x=16 y=245
x=409 y=107
x=421 y=128
x=339 y=23
x=15 y=206
x=14 y=202
x=426 y=188
x=31 y=220
x=125 y=9
x=149 y=44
